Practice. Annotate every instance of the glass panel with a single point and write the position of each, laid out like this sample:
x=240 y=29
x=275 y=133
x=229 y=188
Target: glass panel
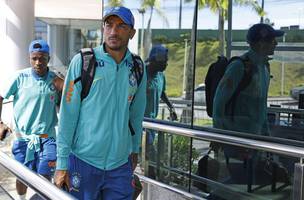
x=284 y=119
x=167 y=158
x=221 y=171
x=151 y=191
x=231 y=172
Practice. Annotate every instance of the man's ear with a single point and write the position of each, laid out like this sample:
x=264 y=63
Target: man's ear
x=49 y=58
x=133 y=31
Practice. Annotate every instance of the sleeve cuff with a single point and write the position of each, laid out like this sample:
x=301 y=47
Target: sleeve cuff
x=62 y=163
x=135 y=149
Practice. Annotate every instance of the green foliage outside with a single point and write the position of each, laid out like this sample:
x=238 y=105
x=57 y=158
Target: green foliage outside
x=207 y=52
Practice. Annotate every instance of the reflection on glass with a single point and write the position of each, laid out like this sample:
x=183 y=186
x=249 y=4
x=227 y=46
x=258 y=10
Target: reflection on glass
x=247 y=174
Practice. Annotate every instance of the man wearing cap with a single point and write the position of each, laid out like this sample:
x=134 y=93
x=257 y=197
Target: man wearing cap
x=156 y=83
x=250 y=111
x=96 y=152
x=35 y=95
x=156 y=91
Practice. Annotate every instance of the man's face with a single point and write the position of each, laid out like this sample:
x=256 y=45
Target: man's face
x=39 y=61
x=116 y=33
x=267 y=46
x=162 y=65
x=157 y=66
x=160 y=62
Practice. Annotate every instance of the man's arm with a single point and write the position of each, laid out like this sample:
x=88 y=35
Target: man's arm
x=68 y=118
x=4 y=129
x=69 y=112
x=166 y=100
x=10 y=88
x=58 y=83
x=173 y=114
x=137 y=113
x=225 y=90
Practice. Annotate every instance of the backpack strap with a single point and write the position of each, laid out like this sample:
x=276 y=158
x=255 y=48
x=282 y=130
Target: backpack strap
x=138 y=71
x=87 y=71
x=245 y=81
x=214 y=74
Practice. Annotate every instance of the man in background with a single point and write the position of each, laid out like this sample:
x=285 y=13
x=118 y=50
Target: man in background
x=249 y=112
x=240 y=102
x=36 y=92
x=156 y=90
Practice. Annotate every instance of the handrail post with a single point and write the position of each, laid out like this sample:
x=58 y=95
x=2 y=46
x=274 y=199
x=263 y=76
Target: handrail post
x=298 y=182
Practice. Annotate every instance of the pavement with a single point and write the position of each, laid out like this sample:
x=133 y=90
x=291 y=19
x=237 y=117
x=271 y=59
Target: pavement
x=7 y=179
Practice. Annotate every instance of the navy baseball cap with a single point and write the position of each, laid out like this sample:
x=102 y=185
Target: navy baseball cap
x=122 y=12
x=39 y=46
x=261 y=31
x=158 y=53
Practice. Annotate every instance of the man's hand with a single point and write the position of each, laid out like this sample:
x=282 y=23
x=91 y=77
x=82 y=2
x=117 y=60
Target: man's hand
x=173 y=115
x=134 y=159
x=62 y=179
x=58 y=83
x=4 y=129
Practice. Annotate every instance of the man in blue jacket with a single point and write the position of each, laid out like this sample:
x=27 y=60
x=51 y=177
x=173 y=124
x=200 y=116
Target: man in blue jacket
x=96 y=151
x=36 y=93
x=250 y=110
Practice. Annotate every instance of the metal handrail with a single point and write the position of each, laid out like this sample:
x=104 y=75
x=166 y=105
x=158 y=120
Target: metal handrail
x=168 y=187
x=7 y=102
x=43 y=187
x=285 y=110
x=278 y=48
x=216 y=136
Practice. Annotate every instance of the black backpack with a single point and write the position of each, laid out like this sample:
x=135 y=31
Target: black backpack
x=215 y=73
x=88 y=71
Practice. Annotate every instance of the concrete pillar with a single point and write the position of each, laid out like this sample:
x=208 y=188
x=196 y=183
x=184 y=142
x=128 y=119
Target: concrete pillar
x=75 y=42
x=16 y=32
x=64 y=44
x=57 y=39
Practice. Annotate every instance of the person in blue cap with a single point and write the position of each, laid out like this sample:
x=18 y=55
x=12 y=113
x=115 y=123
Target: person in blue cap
x=156 y=83
x=250 y=112
x=156 y=90
x=96 y=152
x=36 y=92
x=250 y=108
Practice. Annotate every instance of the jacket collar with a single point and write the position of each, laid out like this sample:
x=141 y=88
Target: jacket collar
x=256 y=58
x=37 y=77
x=102 y=50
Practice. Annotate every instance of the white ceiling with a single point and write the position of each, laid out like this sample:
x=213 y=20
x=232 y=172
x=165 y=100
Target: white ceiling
x=69 y=9
x=76 y=13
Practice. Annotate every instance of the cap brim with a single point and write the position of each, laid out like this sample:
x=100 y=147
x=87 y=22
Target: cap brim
x=118 y=15
x=278 y=33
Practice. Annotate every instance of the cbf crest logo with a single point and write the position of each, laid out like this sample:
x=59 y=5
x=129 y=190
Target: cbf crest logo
x=76 y=179
x=52 y=92
x=52 y=87
x=100 y=63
